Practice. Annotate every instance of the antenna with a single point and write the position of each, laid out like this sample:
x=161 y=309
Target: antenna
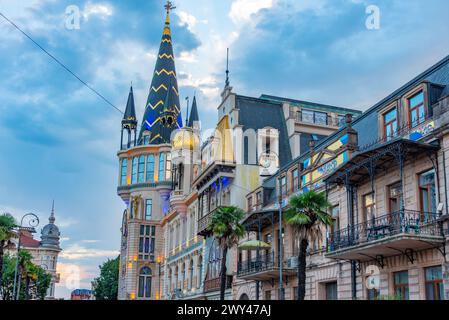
x=187 y=113
x=227 y=68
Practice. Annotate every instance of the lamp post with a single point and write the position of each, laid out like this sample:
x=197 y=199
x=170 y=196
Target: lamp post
x=33 y=222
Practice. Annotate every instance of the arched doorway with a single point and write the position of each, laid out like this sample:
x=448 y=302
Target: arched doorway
x=244 y=296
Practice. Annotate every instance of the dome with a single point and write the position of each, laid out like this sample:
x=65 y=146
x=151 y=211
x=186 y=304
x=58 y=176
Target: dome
x=185 y=138
x=50 y=233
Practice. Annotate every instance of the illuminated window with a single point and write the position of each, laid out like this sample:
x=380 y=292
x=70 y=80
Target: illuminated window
x=391 y=123
x=427 y=193
x=168 y=167
x=141 y=175
x=161 y=167
x=417 y=109
x=145 y=277
x=134 y=171
x=147 y=239
x=369 y=207
x=150 y=168
x=123 y=172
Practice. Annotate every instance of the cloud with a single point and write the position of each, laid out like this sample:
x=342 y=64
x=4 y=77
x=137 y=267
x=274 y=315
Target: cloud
x=242 y=10
x=186 y=19
x=101 y=10
x=78 y=252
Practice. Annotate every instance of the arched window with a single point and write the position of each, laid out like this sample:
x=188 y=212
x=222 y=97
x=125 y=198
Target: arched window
x=161 y=173
x=134 y=171
x=141 y=175
x=123 y=172
x=145 y=277
x=244 y=297
x=150 y=168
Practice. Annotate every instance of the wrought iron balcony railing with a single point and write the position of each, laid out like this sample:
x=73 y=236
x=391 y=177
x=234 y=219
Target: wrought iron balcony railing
x=203 y=223
x=267 y=263
x=400 y=222
x=215 y=284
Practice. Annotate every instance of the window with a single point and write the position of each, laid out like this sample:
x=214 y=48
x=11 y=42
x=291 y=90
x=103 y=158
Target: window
x=161 y=167
x=146 y=140
x=391 y=124
x=341 y=120
x=417 y=109
x=295 y=180
x=147 y=240
x=314 y=117
x=268 y=141
x=250 y=204
x=331 y=290
x=321 y=118
x=259 y=199
x=295 y=293
x=427 y=193
x=148 y=209
x=434 y=283
x=284 y=185
x=168 y=167
x=190 y=274
x=145 y=276
x=335 y=213
x=401 y=289
x=141 y=175
x=307 y=116
x=369 y=207
x=200 y=271
x=150 y=168
x=395 y=195
x=134 y=171
x=123 y=172
x=373 y=294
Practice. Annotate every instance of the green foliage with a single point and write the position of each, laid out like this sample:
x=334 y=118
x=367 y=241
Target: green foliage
x=225 y=225
x=308 y=210
x=34 y=280
x=389 y=297
x=7 y=223
x=105 y=287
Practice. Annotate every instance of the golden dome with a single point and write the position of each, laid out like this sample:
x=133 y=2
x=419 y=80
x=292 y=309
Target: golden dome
x=185 y=138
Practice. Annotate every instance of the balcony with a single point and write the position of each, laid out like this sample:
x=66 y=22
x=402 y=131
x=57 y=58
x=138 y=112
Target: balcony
x=215 y=283
x=265 y=267
x=203 y=223
x=401 y=232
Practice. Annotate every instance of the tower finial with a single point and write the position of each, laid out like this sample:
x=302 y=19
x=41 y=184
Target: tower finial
x=187 y=113
x=227 y=68
x=52 y=214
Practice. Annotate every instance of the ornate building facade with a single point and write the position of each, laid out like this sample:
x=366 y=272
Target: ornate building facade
x=172 y=182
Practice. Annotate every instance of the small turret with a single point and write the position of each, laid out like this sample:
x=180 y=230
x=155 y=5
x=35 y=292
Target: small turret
x=50 y=234
x=129 y=121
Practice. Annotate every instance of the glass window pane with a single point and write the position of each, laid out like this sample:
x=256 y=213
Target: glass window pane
x=150 y=168
x=148 y=209
x=416 y=99
x=134 y=171
x=321 y=118
x=161 y=167
x=307 y=116
x=390 y=116
x=141 y=169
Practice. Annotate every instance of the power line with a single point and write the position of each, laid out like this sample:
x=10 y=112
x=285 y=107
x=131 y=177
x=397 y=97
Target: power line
x=60 y=63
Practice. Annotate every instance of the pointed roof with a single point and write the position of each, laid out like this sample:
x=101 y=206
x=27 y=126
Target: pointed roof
x=193 y=114
x=163 y=94
x=130 y=111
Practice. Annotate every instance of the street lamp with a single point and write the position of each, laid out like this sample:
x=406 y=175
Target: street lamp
x=32 y=222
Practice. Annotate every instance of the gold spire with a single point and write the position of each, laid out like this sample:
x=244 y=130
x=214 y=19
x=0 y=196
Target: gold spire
x=169 y=6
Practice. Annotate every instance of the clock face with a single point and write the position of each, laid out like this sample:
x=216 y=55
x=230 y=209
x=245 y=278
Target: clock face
x=268 y=163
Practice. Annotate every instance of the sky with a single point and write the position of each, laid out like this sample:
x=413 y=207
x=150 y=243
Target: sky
x=59 y=141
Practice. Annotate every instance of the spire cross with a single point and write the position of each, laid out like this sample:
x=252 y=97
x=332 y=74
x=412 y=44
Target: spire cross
x=169 y=6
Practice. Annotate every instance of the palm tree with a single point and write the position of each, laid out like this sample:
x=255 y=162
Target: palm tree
x=7 y=224
x=25 y=273
x=307 y=215
x=226 y=227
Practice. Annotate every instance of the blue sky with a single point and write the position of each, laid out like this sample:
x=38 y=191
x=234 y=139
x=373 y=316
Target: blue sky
x=59 y=141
